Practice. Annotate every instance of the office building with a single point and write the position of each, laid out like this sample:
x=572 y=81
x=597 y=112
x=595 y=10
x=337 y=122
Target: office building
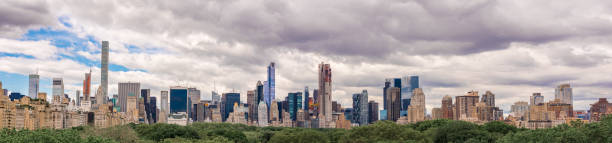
x=416 y=110
x=294 y=101
x=360 y=108
x=34 y=86
x=306 y=99
x=325 y=93
x=104 y=75
x=519 y=110
x=126 y=90
x=179 y=100
x=385 y=96
x=563 y=92
x=227 y=104
x=408 y=84
x=216 y=99
x=152 y=110
x=393 y=103
x=164 y=107
x=372 y=112
x=58 y=90
x=252 y=103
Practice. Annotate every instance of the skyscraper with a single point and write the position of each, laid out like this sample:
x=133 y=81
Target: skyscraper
x=215 y=98
x=227 y=103
x=465 y=106
x=87 y=86
x=385 y=96
x=104 y=75
x=34 y=86
x=325 y=86
x=295 y=103
x=262 y=114
x=373 y=112
x=447 y=107
x=416 y=110
x=259 y=92
x=393 y=103
x=58 y=90
x=146 y=95
x=164 y=107
x=563 y=92
x=306 y=96
x=126 y=90
x=271 y=92
x=360 y=108
x=536 y=99
x=179 y=99
x=408 y=84
x=252 y=102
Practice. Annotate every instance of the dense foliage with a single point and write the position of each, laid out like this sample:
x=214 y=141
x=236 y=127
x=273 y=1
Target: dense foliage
x=438 y=131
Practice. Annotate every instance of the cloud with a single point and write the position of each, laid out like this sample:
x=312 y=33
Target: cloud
x=512 y=48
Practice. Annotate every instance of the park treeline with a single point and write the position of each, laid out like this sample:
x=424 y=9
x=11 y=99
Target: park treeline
x=438 y=131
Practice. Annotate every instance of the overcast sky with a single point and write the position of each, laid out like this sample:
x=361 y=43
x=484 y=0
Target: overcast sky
x=510 y=47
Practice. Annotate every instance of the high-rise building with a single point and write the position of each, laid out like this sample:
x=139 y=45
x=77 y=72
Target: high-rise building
x=271 y=84
x=563 y=92
x=104 y=75
x=408 y=84
x=259 y=92
x=87 y=86
x=465 y=106
x=179 y=100
x=58 y=90
x=146 y=95
x=536 y=99
x=252 y=102
x=325 y=86
x=488 y=98
x=126 y=90
x=227 y=104
x=295 y=103
x=416 y=110
x=194 y=98
x=385 y=96
x=306 y=97
x=447 y=107
x=273 y=112
x=77 y=97
x=215 y=98
x=262 y=114
x=34 y=86
x=164 y=107
x=373 y=112
x=393 y=103
x=360 y=108
x=153 y=110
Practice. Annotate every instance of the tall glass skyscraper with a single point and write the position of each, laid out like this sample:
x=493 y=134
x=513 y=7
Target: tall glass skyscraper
x=104 y=74
x=34 y=86
x=178 y=100
x=306 y=96
x=270 y=87
x=295 y=103
x=563 y=92
x=360 y=108
x=408 y=84
x=227 y=103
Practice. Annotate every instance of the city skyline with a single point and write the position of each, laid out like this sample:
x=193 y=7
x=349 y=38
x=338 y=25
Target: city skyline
x=511 y=59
